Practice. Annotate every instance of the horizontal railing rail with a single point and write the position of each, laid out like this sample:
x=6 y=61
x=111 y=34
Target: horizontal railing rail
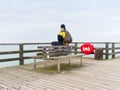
x=109 y=49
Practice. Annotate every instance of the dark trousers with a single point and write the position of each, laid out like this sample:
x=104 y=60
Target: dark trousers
x=56 y=43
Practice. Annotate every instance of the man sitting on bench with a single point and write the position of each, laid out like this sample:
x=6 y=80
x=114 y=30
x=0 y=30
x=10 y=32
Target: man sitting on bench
x=64 y=37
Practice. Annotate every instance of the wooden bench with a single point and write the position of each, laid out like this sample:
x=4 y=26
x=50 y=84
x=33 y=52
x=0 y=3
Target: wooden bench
x=55 y=52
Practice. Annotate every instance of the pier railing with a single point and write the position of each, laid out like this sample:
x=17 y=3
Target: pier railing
x=25 y=51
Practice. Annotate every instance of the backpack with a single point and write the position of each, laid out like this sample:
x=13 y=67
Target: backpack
x=68 y=37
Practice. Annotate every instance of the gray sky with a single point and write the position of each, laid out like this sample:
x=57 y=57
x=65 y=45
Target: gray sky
x=39 y=20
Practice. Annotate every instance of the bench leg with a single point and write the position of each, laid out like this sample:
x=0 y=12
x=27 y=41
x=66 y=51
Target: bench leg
x=69 y=60
x=46 y=64
x=58 y=65
x=81 y=57
x=34 y=63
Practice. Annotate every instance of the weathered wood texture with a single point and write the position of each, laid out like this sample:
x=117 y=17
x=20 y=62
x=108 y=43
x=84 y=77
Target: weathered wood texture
x=54 y=52
x=94 y=75
x=99 y=54
x=109 y=49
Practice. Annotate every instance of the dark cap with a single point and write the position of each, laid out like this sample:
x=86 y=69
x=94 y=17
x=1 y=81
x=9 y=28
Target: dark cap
x=62 y=26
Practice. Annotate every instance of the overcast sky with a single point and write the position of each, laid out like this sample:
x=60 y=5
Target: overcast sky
x=39 y=20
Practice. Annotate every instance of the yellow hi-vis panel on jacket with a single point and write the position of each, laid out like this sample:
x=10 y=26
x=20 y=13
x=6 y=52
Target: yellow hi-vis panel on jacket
x=62 y=34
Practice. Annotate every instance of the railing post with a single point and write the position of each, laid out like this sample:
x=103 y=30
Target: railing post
x=76 y=44
x=21 y=60
x=107 y=51
x=98 y=53
x=113 y=50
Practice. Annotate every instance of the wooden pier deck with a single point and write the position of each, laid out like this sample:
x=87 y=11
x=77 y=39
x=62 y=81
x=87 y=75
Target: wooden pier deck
x=94 y=75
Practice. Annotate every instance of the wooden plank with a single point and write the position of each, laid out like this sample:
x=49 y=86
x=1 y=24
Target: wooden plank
x=94 y=75
x=8 y=59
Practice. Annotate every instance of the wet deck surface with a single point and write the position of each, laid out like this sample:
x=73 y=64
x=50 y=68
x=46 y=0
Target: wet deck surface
x=94 y=75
